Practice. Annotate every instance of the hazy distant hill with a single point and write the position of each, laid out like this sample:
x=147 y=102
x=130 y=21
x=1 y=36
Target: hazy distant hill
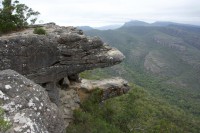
x=108 y=27
x=85 y=28
x=136 y=23
x=165 y=60
x=157 y=23
x=163 y=23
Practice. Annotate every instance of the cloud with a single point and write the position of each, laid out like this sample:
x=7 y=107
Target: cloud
x=97 y=13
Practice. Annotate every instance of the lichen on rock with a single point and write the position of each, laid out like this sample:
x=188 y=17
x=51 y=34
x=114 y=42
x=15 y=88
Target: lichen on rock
x=27 y=106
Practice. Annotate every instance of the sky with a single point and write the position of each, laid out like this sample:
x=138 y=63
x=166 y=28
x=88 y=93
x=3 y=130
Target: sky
x=113 y=12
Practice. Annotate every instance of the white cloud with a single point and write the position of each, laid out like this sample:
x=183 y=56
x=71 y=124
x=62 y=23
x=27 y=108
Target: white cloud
x=97 y=13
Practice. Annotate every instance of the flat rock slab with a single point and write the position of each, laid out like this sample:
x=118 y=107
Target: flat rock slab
x=110 y=87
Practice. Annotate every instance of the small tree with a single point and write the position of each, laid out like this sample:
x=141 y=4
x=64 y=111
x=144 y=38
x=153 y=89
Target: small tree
x=15 y=16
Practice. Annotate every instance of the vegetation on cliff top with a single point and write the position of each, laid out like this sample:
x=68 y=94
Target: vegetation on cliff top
x=15 y=16
x=39 y=31
x=4 y=125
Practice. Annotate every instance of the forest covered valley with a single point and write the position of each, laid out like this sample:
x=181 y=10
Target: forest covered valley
x=163 y=66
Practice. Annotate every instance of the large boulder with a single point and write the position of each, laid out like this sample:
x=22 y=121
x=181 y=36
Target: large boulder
x=48 y=59
x=27 y=106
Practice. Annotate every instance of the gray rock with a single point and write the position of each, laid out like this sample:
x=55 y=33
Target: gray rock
x=27 y=106
x=65 y=82
x=63 y=52
x=69 y=102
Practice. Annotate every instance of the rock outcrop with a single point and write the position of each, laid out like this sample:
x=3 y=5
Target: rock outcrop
x=77 y=92
x=47 y=59
x=27 y=106
x=52 y=62
x=110 y=87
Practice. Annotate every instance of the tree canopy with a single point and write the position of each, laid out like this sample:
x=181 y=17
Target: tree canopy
x=15 y=16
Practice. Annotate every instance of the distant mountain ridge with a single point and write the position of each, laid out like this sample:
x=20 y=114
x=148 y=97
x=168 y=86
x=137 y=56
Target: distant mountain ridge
x=106 y=27
x=164 y=58
x=141 y=23
x=157 y=23
x=85 y=28
x=137 y=23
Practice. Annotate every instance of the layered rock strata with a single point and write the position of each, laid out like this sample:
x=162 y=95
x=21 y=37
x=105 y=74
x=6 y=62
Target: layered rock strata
x=48 y=59
x=52 y=62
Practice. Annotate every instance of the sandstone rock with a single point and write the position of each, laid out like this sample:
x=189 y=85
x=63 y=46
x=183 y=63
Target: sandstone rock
x=62 y=52
x=27 y=106
x=69 y=102
x=65 y=82
x=47 y=59
x=110 y=87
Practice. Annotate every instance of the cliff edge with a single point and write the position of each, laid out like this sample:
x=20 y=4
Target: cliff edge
x=52 y=62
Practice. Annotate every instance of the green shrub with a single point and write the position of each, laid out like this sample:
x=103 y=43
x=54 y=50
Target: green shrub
x=91 y=117
x=4 y=125
x=39 y=31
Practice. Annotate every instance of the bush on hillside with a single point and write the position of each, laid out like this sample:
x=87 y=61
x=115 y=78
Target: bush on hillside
x=4 y=125
x=135 y=112
x=39 y=31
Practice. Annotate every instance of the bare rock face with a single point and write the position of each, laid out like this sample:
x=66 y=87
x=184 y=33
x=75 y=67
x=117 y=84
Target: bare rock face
x=27 y=106
x=69 y=102
x=47 y=59
x=64 y=51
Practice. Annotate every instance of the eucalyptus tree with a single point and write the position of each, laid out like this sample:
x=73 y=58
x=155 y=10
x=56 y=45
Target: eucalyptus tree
x=15 y=16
